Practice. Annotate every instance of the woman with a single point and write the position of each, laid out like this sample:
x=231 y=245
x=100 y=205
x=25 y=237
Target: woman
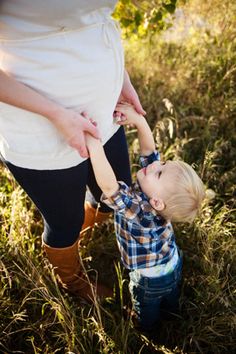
x=59 y=59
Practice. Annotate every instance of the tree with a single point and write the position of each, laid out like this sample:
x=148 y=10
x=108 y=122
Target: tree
x=139 y=18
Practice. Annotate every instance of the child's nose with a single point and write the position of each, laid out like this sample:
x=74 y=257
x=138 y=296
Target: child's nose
x=154 y=165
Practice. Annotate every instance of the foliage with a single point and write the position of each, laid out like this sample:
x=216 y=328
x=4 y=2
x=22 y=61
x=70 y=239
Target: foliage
x=143 y=17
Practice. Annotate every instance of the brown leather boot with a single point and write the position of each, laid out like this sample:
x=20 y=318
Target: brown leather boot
x=67 y=266
x=93 y=216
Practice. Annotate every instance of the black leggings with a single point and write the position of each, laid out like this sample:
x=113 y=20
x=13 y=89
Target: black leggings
x=59 y=194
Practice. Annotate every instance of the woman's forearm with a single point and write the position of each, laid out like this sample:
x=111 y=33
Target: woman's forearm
x=68 y=122
x=19 y=95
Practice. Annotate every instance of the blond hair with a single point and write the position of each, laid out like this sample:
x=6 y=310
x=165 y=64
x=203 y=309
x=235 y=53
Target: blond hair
x=184 y=201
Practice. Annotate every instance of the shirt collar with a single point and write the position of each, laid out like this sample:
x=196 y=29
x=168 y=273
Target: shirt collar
x=144 y=200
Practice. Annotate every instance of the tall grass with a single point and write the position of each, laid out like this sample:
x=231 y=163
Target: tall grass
x=188 y=89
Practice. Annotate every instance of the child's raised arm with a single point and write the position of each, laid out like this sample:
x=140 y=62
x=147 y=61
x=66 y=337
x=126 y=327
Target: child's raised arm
x=145 y=137
x=103 y=171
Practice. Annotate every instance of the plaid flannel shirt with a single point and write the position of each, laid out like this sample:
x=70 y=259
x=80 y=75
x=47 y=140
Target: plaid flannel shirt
x=144 y=238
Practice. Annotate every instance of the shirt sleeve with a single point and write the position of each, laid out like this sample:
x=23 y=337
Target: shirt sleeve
x=123 y=201
x=147 y=160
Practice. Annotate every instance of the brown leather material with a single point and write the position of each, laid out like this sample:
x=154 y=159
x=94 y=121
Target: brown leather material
x=93 y=216
x=67 y=266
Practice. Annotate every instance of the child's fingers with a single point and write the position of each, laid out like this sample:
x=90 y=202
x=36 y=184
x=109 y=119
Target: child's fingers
x=123 y=108
x=116 y=114
x=119 y=117
x=123 y=118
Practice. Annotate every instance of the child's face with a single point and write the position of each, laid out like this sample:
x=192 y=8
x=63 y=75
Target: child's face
x=157 y=180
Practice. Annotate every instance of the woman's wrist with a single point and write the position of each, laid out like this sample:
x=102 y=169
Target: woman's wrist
x=55 y=112
x=126 y=77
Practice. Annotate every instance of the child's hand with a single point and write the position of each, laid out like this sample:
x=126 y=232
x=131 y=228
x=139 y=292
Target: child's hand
x=119 y=117
x=126 y=114
x=91 y=142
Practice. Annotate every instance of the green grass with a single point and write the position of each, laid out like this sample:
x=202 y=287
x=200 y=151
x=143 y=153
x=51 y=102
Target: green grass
x=197 y=124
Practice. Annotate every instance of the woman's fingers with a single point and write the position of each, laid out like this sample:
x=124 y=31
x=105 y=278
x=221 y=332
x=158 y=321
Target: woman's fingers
x=137 y=104
x=78 y=143
x=91 y=128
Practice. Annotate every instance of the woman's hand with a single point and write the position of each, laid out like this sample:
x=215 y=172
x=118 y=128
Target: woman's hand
x=73 y=126
x=128 y=115
x=129 y=94
x=125 y=114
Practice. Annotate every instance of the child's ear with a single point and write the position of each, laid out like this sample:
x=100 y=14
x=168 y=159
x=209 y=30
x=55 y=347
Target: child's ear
x=157 y=204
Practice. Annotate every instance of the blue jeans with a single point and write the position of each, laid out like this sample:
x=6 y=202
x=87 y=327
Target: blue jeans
x=154 y=298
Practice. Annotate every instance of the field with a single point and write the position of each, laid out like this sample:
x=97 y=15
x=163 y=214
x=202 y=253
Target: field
x=187 y=85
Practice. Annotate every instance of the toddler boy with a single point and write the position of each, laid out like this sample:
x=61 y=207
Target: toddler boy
x=165 y=191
